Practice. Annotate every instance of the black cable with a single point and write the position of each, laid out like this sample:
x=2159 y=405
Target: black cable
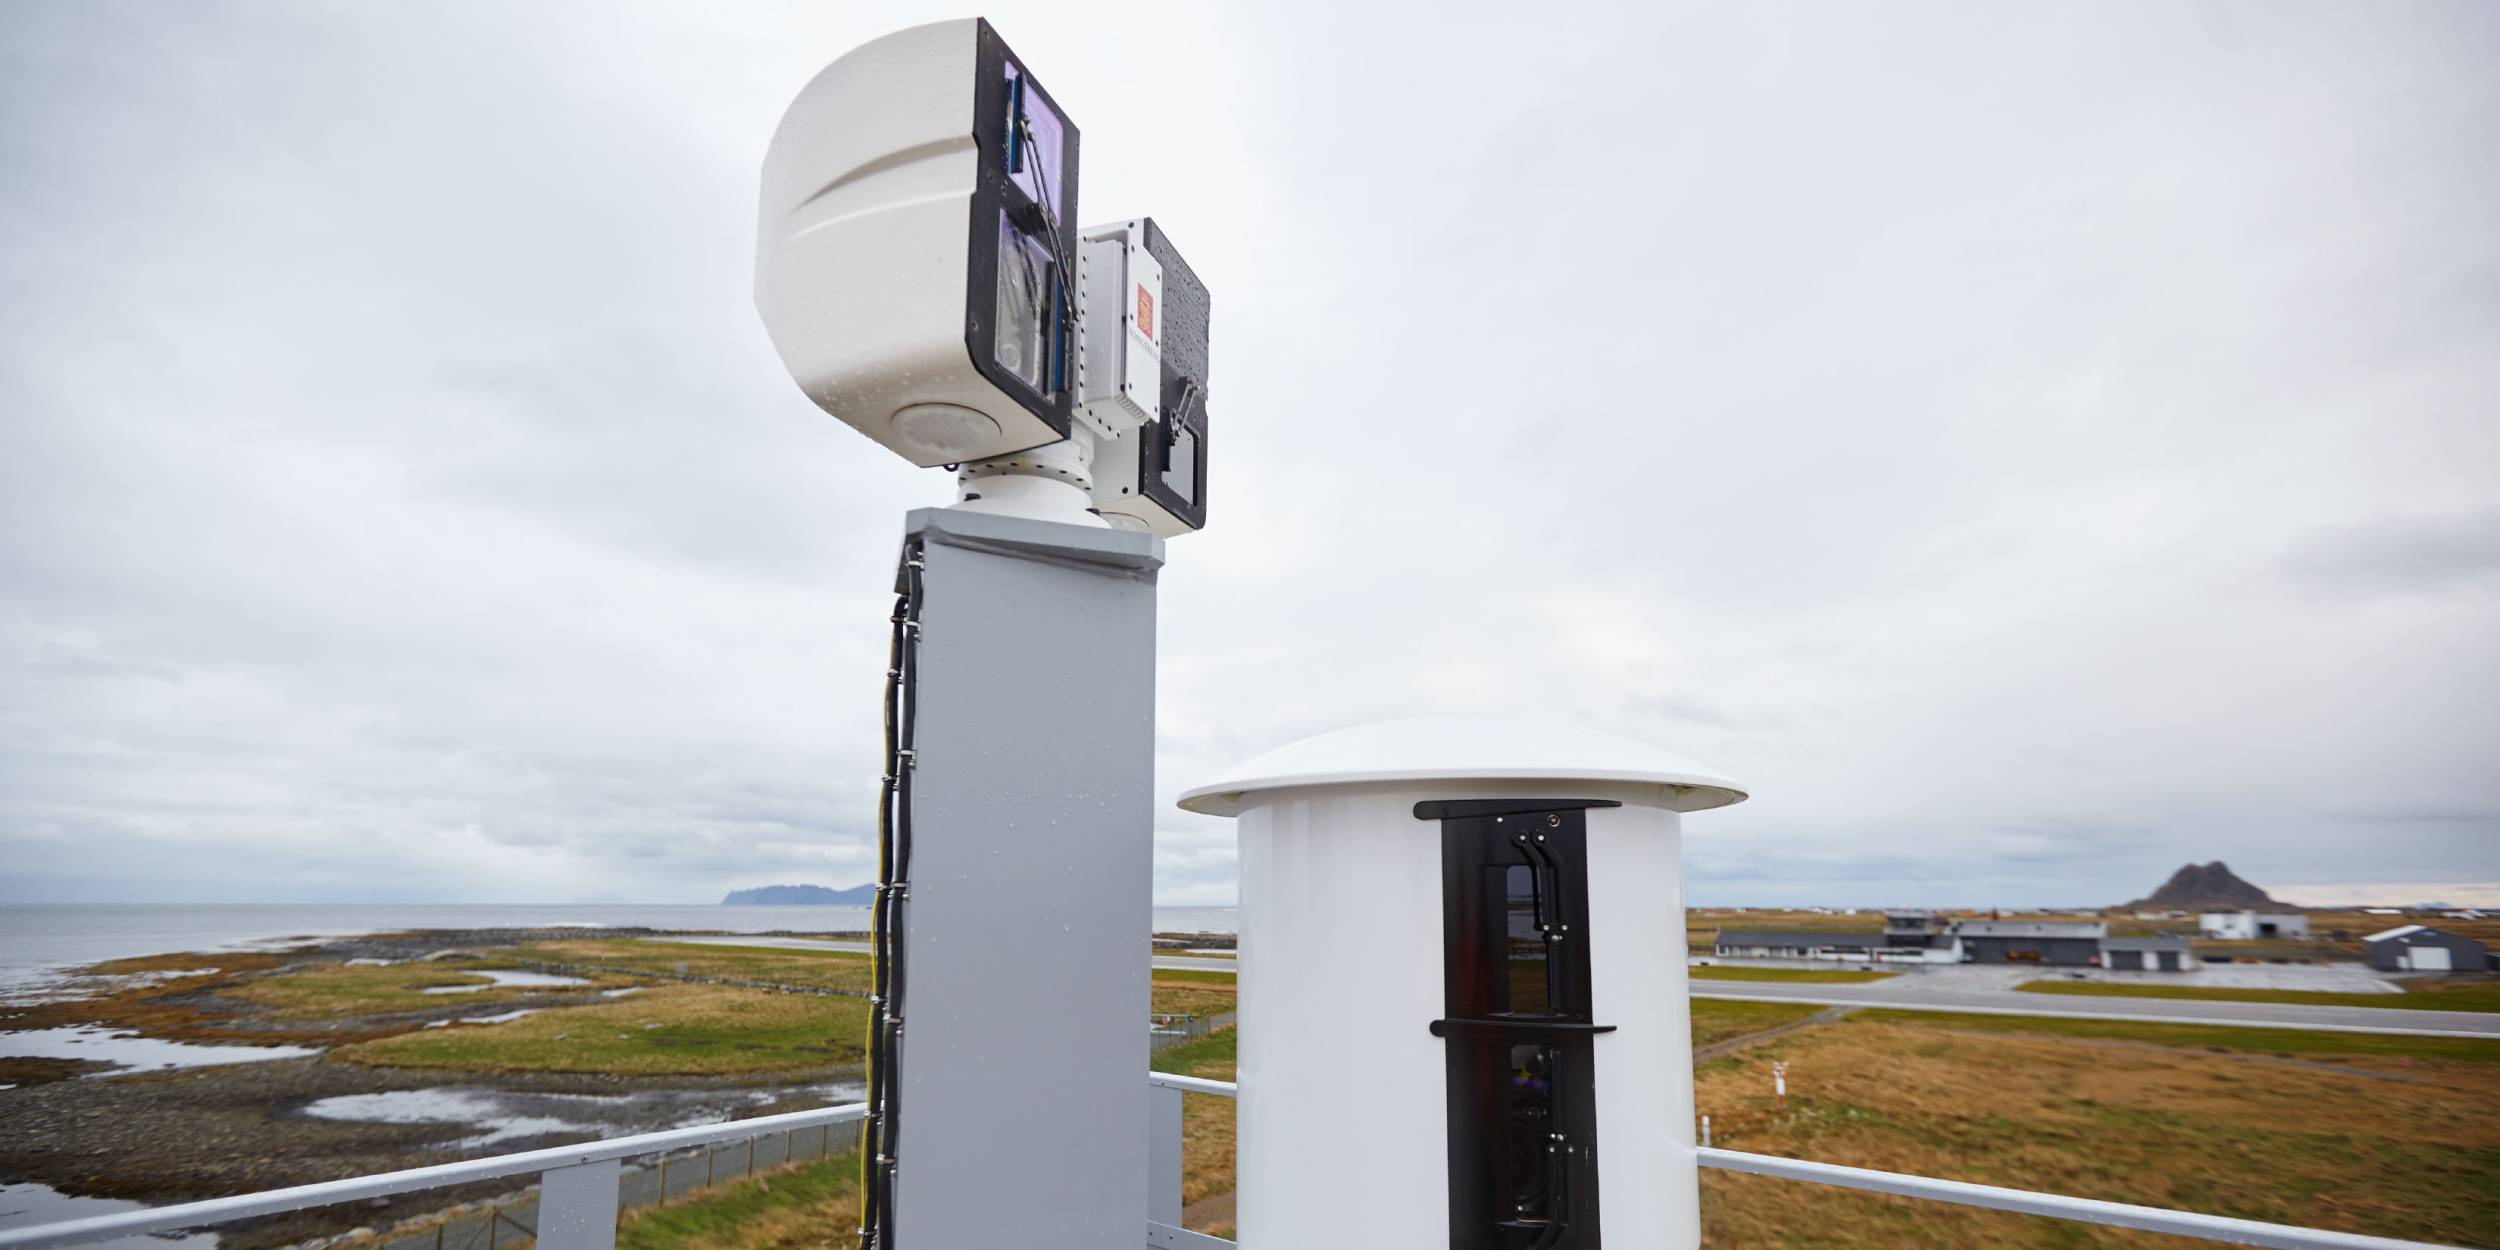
x=880 y=1138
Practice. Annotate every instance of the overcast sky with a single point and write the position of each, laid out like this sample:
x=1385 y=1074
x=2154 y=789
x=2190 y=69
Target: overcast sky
x=2033 y=446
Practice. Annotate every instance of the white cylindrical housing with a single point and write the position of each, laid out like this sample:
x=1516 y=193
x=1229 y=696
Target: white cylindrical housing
x=1347 y=1094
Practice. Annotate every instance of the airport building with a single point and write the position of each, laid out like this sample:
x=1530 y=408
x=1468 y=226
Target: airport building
x=1922 y=937
x=2420 y=948
x=2253 y=926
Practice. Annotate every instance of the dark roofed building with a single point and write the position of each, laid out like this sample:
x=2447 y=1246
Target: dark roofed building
x=1793 y=944
x=2420 y=948
x=2030 y=942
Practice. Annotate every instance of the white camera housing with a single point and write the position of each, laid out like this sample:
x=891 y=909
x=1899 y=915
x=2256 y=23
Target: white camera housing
x=1142 y=377
x=914 y=243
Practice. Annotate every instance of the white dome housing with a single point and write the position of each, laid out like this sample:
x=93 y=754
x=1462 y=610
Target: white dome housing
x=913 y=245
x=1462 y=968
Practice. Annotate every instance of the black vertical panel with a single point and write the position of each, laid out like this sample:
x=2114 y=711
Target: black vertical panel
x=996 y=195
x=1519 y=1028
x=1175 y=448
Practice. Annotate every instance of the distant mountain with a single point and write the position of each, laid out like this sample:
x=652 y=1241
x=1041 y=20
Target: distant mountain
x=2204 y=887
x=801 y=896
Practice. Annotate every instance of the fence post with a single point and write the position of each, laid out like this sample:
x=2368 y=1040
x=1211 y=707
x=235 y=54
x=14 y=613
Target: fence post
x=1163 y=1155
x=577 y=1207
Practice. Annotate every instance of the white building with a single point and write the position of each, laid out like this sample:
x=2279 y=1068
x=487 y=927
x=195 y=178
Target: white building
x=2253 y=926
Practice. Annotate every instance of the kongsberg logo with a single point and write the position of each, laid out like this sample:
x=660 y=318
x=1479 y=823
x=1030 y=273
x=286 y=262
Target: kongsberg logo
x=1145 y=312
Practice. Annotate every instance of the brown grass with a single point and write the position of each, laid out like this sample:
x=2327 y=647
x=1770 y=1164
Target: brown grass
x=2382 y=1148
x=1186 y=998
x=842 y=970
x=335 y=991
x=153 y=1009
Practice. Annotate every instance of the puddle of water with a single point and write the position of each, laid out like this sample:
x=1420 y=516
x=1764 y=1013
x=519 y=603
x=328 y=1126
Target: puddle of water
x=475 y=1108
x=498 y=1018
x=503 y=1116
x=131 y=1051
x=620 y=993
x=506 y=977
x=26 y=1205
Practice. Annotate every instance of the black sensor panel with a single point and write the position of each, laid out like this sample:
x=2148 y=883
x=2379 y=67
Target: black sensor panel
x=1019 y=323
x=1518 y=1031
x=1173 y=469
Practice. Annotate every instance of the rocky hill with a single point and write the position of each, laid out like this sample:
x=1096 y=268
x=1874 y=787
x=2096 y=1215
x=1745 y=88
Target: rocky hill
x=2204 y=887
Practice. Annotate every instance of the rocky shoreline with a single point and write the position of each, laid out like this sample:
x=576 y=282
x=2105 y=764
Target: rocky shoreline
x=84 y=1129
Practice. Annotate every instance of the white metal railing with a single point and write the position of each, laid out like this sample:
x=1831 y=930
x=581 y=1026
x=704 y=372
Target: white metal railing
x=577 y=1197
x=577 y=1203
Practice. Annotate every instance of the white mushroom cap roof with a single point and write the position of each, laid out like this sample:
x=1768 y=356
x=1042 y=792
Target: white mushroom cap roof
x=1521 y=747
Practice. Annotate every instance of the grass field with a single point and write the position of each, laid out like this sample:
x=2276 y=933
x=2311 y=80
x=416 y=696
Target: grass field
x=802 y=1208
x=1198 y=976
x=1192 y=1000
x=796 y=1208
x=1804 y=976
x=2480 y=995
x=839 y=970
x=691 y=1030
x=2285 y=1043
x=2393 y=1136
x=1206 y=1119
x=1715 y=1020
x=334 y=990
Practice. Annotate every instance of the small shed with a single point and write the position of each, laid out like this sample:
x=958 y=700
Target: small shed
x=2420 y=948
x=2151 y=954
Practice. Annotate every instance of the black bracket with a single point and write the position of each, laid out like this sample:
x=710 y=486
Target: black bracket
x=1516 y=1027
x=1468 y=809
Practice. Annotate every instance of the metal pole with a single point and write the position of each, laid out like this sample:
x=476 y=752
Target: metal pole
x=577 y=1207
x=1163 y=1155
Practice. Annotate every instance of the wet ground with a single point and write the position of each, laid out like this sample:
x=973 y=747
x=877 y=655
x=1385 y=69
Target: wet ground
x=200 y=1132
x=93 y=1112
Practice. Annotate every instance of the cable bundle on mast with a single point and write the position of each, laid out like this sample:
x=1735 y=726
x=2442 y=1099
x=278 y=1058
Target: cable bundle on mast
x=879 y=1145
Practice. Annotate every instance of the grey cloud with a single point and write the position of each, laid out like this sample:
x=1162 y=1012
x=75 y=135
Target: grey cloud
x=2401 y=554
x=398 y=498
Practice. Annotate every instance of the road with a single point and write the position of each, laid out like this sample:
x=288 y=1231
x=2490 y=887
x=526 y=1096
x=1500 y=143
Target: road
x=1916 y=992
x=1908 y=994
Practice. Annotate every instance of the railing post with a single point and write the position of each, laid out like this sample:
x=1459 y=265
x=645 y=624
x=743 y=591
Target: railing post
x=1163 y=1155
x=577 y=1207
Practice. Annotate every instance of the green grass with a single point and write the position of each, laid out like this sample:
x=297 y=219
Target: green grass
x=1197 y=976
x=666 y=1030
x=1717 y=1020
x=810 y=1205
x=1213 y=1050
x=2287 y=1042
x=1806 y=976
x=2481 y=996
x=336 y=990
